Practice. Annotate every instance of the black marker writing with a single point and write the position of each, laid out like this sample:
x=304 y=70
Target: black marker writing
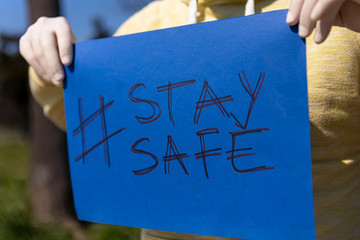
x=169 y=88
x=153 y=117
x=206 y=153
x=84 y=123
x=214 y=100
x=252 y=93
x=137 y=151
x=171 y=148
x=233 y=150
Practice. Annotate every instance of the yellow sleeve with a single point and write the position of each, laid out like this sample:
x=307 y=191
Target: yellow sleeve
x=50 y=97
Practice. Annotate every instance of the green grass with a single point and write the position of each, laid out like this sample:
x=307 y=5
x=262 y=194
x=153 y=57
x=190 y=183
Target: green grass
x=15 y=212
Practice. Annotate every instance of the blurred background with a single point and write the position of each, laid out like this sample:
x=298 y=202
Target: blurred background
x=35 y=189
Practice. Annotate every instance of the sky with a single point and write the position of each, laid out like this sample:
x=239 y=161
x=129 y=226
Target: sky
x=80 y=13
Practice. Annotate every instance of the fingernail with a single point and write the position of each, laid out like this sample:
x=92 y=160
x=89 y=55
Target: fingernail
x=58 y=77
x=58 y=83
x=302 y=31
x=290 y=17
x=317 y=38
x=66 y=60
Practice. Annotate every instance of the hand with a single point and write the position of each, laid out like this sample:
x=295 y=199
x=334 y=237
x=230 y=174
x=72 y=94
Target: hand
x=322 y=14
x=46 y=45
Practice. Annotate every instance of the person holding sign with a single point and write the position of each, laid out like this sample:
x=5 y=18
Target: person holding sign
x=333 y=82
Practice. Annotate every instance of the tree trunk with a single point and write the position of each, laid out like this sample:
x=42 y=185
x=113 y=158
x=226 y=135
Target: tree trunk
x=38 y=8
x=50 y=186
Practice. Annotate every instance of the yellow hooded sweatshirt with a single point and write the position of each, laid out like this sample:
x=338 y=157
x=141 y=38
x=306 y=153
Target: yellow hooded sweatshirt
x=334 y=102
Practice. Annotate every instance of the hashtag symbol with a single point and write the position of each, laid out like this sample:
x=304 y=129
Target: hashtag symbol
x=85 y=122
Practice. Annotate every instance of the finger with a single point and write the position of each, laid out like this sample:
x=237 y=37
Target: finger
x=64 y=39
x=38 y=52
x=306 y=25
x=324 y=7
x=321 y=32
x=27 y=52
x=324 y=25
x=51 y=56
x=294 y=12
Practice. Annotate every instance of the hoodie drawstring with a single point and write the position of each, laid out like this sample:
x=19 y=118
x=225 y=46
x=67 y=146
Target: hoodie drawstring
x=192 y=11
x=249 y=7
x=193 y=7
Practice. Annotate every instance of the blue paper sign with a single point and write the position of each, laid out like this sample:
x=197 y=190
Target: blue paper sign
x=200 y=129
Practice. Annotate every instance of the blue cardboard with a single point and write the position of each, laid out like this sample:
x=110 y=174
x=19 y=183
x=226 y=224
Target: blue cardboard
x=200 y=129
